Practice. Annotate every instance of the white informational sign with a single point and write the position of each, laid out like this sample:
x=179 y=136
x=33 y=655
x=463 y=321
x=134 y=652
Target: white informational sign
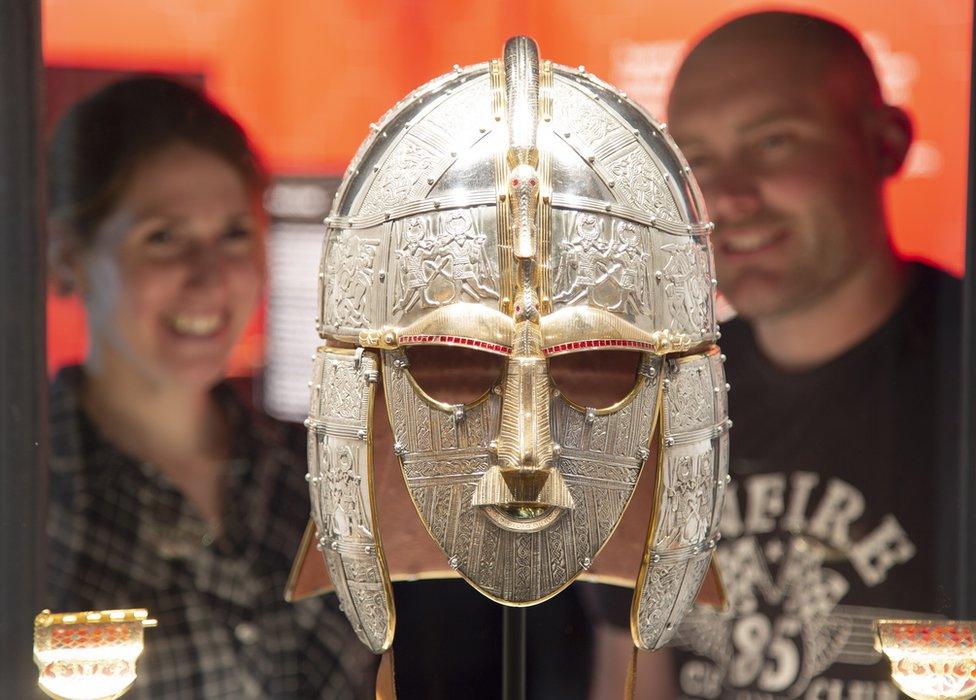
x=297 y=208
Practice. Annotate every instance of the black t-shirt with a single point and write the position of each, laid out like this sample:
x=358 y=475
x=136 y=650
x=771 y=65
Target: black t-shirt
x=836 y=510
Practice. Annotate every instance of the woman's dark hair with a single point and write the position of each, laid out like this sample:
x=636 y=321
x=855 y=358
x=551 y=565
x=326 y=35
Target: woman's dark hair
x=102 y=139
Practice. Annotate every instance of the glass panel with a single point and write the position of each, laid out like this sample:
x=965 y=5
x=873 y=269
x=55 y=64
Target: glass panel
x=831 y=153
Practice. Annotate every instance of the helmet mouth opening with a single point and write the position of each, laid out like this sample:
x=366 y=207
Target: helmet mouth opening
x=523 y=517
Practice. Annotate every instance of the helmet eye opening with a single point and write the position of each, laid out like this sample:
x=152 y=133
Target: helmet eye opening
x=595 y=379
x=454 y=375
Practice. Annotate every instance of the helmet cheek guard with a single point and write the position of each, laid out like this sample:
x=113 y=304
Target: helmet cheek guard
x=524 y=210
x=340 y=480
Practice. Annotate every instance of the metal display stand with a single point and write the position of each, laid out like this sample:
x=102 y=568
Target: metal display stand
x=513 y=653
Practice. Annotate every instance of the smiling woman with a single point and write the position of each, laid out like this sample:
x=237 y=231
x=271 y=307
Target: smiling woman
x=168 y=492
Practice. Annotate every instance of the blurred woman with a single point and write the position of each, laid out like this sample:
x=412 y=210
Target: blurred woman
x=167 y=491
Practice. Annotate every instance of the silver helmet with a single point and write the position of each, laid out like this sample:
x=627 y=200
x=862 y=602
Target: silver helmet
x=524 y=210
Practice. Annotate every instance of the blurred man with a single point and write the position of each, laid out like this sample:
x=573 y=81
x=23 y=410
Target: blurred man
x=837 y=361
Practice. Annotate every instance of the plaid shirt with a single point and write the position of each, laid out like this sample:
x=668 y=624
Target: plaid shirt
x=121 y=535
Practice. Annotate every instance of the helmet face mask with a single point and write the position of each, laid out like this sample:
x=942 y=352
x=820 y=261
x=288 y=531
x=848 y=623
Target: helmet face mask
x=525 y=212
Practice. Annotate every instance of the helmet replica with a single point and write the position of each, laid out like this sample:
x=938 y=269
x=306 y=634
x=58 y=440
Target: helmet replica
x=527 y=210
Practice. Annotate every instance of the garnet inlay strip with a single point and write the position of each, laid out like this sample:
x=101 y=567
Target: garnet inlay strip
x=602 y=344
x=454 y=340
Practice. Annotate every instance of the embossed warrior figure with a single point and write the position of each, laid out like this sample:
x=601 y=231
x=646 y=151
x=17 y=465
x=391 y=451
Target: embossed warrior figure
x=522 y=486
x=632 y=262
x=468 y=262
x=584 y=263
x=411 y=256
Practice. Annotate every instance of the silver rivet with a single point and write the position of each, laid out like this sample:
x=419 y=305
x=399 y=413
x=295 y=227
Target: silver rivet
x=655 y=558
x=642 y=453
x=728 y=387
x=308 y=477
x=334 y=545
x=669 y=441
x=399 y=449
x=361 y=433
x=658 y=274
x=382 y=275
x=586 y=563
x=590 y=415
x=454 y=562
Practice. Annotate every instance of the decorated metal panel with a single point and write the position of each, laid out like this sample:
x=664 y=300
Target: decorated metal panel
x=691 y=486
x=445 y=453
x=340 y=481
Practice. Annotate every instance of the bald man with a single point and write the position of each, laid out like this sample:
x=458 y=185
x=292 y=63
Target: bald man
x=839 y=363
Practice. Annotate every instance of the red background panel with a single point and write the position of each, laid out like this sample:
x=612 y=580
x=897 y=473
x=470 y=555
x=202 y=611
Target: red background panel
x=306 y=77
